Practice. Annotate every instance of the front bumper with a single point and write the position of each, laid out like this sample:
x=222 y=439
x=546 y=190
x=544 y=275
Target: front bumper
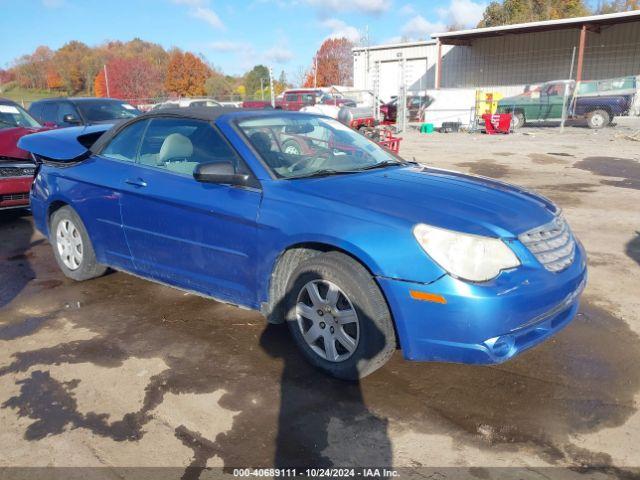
x=485 y=323
x=14 y=192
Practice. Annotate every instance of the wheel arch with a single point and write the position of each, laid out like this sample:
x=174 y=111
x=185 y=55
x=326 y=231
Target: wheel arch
x=286 y=262
x=52 y=208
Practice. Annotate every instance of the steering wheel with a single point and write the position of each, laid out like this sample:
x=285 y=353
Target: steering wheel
x=306 y=161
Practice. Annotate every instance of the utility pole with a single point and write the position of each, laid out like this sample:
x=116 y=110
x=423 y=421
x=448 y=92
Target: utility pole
x=273 y=95
x=315 y=73
x=106 y=79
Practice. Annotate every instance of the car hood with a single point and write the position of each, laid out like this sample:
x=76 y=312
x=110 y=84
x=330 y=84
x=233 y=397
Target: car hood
x=9 y=141
x=442 y=198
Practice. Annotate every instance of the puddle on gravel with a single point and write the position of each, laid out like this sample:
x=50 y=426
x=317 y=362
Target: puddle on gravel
x=632 y=249
x=487 y=168
x=580 y=381
x=566 y=194
x=625 y=168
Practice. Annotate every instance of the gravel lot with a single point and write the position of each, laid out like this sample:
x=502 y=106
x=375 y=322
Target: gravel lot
x=119 y=372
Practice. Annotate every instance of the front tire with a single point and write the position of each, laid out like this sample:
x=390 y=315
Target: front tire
x=72 y=246
x=338 y=316
x=598 y=119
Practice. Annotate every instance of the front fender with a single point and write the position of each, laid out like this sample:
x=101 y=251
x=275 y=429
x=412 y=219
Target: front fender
x=385 y=246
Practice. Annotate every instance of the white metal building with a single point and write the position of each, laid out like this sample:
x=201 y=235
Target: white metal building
x=383 y=64
x=584 y=48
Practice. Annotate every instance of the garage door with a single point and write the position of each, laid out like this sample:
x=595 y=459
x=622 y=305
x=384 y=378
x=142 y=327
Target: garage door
x=416 y=74
x=389 y=80
x=390 y=77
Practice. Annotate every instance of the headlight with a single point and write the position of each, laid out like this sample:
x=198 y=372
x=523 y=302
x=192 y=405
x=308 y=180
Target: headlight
x=470 y=257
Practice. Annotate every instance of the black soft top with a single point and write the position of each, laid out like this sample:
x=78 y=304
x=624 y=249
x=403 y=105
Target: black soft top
x=209 y=114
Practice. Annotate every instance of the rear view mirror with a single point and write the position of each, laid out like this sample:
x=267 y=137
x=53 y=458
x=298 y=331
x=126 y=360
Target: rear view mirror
x=222 y=173
x=298 y=128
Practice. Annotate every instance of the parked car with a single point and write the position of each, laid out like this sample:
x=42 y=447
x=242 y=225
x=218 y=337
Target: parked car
x=294 y=100
x=16 y=167
x=596 y=102
x=188 y=103
x=68 y=112
x=357 y=250
x=389 y=110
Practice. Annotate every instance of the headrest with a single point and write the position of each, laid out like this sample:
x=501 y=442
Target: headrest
x=175 y=146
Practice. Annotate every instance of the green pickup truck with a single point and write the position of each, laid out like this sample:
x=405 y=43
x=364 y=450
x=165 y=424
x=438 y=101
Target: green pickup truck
x=597 y=102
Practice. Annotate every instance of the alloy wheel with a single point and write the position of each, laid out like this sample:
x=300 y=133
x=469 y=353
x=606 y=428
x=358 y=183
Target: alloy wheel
x=327 y=320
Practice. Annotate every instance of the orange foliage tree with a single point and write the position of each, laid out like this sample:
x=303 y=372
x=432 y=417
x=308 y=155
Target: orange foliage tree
x=186 y=75
x=54 y=80
x=100 y=85
x=332 y=64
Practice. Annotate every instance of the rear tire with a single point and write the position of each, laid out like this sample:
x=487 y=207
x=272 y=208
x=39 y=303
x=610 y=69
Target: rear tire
x=517 y=120
x=598 y=119
x=72 y=246
x=344 y=326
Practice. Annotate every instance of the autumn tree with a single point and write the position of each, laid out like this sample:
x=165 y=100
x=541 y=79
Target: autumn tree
x=332 y=64
x=186 y=75
x=219 y=85
x=31 y=70
x=252 y=79
x=129 y=78
x=54 y=79
x=521 y=11
x=7 y=76
x=70 y=61
x=100 y=85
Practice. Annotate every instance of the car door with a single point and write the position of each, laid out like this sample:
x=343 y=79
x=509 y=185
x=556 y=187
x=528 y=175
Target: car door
x=290 y=101
x=49 y=113
x=555 y=100
x=197 y=236
x=103 y=176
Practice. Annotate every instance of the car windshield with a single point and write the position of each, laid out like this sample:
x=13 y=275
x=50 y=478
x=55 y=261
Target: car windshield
x=104 y=110
x=306 y=146
x=15 y=116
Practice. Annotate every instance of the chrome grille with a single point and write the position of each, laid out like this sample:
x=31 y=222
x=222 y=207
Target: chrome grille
x=14 y=196
x=17 y=171
x=552 y=244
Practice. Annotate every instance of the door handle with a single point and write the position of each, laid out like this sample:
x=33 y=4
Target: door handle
x=136 y=182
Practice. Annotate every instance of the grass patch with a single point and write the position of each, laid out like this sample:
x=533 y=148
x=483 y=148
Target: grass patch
x=24 y=96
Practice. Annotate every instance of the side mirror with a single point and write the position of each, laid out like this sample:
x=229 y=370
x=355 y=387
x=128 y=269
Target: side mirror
x=69 y=118
x=49 y=124
x=220 y=172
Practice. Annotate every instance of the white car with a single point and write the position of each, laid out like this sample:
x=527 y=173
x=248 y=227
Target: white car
x=188 y=102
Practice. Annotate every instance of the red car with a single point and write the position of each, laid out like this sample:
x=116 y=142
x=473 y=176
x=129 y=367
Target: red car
x=16 y=167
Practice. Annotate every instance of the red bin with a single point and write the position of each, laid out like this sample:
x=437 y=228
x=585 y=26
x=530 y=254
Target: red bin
x=497 y=123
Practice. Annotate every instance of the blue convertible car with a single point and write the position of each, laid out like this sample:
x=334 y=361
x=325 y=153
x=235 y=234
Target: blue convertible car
x=295 y=215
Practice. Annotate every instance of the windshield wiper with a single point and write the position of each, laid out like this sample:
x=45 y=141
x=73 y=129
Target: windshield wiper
x=325 y=172
x=386 y=163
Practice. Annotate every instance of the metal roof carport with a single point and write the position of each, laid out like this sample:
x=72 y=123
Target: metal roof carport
x=595 y=24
